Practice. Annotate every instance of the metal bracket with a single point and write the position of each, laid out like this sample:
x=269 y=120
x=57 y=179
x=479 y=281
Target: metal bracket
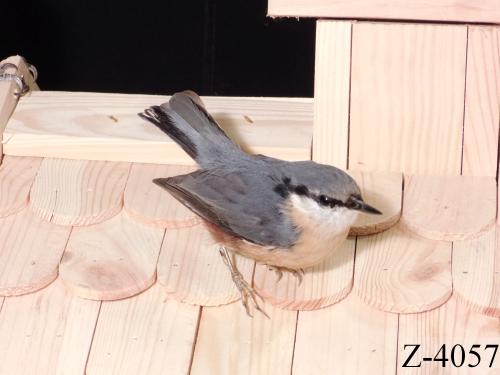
x=18 y=78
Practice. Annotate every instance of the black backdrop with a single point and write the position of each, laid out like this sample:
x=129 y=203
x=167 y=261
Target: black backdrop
x=216 y=47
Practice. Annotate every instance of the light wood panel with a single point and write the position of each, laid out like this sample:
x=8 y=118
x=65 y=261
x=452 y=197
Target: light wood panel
x=152 y=205
x=146 y=334
x=191 y=270
x=399 y=272
x=106 y=127
x=229 y=342
x=482 y=101
x=449 y=208
x=322 y=285
x=46 y=333
x=16 y=177
x=111 y=260
x=407 y=100
x=331 y=92
x=30 y=251
x=78 y=192
x=476 y=273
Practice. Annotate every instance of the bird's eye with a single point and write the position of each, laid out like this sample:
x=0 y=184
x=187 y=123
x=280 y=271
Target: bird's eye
x=324 y=200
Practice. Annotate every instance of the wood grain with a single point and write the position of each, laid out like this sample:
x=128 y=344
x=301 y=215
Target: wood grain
x=383 y=191
x=152 y=205
x=16 y=177
x=30 y=251
x=144 y=335
x=106 y=127
x=78 y=192
x=331 y=92
x=322 y=285
x=407 y=82
x=476 y=273
x=347 y=338
x=399 y=272
x=486 y=11
x=449 y=208
x=191 y=270
x=482 y=101
x=46 y=333
x=229 y=342
x=111 y=260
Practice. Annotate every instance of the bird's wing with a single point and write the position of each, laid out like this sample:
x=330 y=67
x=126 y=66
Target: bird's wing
x=239 y=203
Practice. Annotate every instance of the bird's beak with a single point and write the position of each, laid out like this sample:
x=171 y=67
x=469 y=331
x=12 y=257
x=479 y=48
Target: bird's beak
x=359 y=204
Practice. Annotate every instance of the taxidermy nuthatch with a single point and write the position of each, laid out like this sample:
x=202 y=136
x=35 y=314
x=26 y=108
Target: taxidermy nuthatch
x=287 y=215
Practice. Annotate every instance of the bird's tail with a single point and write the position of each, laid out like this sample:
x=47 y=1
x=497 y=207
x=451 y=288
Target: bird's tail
x=185 y=119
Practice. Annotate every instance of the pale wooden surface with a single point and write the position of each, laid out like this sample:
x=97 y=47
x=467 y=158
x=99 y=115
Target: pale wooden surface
x=229 y=342
x=396 y=271
x=482 y=101
x=382 y=191
x=111 y=260
x=476 y=273
x=49 y=332
x=152 y=205
x=449 y=208
x=407 y=98
x=106 y=127
x=144 y=335
x=16 y=177
x=437 y=10
x=30 y=251
x=344 y=339
x=191 y=270
x=78 y=192
x=331 y=92
x=322 y=285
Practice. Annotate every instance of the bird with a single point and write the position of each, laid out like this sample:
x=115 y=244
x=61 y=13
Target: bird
x=287 y=215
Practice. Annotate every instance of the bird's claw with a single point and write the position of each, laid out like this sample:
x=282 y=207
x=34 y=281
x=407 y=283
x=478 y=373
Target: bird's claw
x=299 y=274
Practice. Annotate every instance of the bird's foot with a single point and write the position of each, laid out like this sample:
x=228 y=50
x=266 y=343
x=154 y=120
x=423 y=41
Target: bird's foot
x=299 y=274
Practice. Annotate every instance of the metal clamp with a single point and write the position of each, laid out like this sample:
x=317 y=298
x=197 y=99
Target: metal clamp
x=18 y=78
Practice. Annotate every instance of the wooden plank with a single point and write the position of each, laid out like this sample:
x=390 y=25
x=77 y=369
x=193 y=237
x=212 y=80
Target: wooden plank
x=399 y=272
x=482 y=98
x=476 y=273
x=78 y=192
x=449 y=325
x=449 y=208
x=30 y=251
x=331 y=92
x=152 y=205
x=486 y=11
x=347 y=338
x=16 y=176
x=408 y=84
x=191 y=270
x=111 y=260
x=144 y=335
x=229 y=342
x=322 y=285
x=46 y=333
x=106 y=127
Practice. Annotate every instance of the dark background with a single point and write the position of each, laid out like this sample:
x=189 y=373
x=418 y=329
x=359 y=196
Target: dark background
x=215 y=47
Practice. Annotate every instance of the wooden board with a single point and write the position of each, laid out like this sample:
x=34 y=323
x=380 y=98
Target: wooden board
x=46 y=333
x=486 y=11
x=144 y=335
x=407 y=98
x=482 y=101
x=322 y=285
x=78 y=192
x=331 y=92
x=191 y=270
x=449 y=208
x=106 y=127
x=152 y=205
x=399 y=272
x=111 y=260
x=229 y=342
x=30 y=251
x=347 y=338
